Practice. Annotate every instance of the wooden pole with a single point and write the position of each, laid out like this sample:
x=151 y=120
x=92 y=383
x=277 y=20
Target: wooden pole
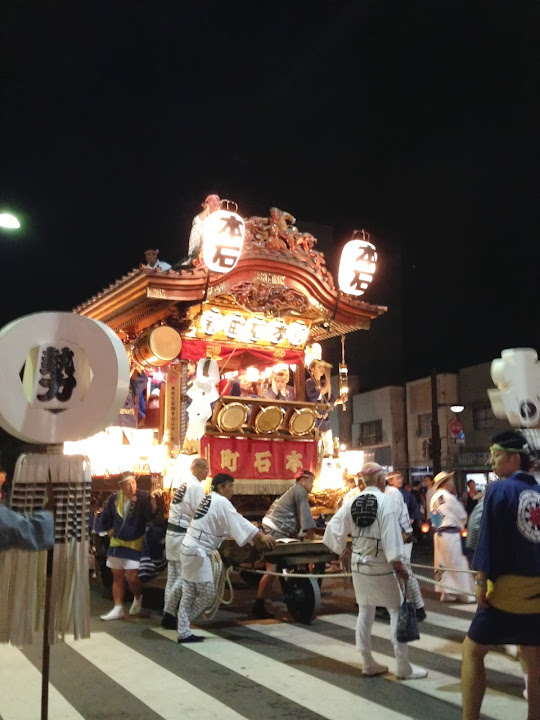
x=45 y=664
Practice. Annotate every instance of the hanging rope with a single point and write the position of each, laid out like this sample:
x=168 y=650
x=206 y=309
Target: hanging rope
x=222 y=581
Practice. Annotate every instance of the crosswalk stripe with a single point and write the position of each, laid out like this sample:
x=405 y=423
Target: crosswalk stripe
x=20 y=698
x=434 y=644
x=163 y=691
x=312 y=693
x=497 y=704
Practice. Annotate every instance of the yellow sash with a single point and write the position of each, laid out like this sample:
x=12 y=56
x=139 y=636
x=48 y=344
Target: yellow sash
x=515 y=594
x=133 y=544
x=115 y=542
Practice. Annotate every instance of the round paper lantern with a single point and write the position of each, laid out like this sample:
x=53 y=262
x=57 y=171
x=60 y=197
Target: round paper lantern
x=223 y=240
x=357 y=265
x=297 y=333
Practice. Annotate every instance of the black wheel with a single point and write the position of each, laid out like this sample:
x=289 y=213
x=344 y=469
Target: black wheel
x=303 y=598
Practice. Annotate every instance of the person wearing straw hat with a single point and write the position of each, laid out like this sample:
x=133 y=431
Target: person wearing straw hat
x=215 y=519
x=449 y=518
x=507 y=560
x=377 y=565
x=124 y=517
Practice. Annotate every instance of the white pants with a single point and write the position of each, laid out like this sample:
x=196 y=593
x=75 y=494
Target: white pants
x=196 y=597
x=382 y=591
x=173 y=589
x=449 y=554
x=414 y=594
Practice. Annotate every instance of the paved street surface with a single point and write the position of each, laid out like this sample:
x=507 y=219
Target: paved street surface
x=258 y=670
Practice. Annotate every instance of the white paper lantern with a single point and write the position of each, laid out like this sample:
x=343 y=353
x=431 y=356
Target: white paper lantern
x=297 y=333
x=256 y=329
x=357 y=265
x=233 y=325
x=211 y=321
x=277 y=330
x=223 y=240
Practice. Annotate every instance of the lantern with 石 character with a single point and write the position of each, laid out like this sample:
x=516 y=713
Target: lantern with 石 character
x=357 y=265
x=223 y=240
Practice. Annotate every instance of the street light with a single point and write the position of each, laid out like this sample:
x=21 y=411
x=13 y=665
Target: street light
x=435 y=429
x=9 y=221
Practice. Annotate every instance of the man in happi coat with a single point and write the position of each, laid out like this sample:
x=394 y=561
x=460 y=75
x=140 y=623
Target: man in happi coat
x=393 y=490
x=215 y=520
x=507 y=559
x=288 y=517
x=124 y=517
x=371 y=520
x=185 y=501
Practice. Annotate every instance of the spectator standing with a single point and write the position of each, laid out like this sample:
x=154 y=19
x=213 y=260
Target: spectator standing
x=449 y=518
x=394 y=490
x=507 y=559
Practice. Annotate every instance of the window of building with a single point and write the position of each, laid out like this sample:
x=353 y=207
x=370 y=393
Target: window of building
x=424 y=425
x=370 y=433
x=483 y=418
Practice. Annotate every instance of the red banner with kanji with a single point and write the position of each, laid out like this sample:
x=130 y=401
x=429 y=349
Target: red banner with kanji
x=262 y=463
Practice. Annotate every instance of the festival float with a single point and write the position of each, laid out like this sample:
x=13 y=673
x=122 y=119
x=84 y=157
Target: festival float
x=256 y=295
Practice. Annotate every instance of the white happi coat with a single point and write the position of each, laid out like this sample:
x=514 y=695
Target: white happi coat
x=375 y=546
x=450 y=510
x=215 y=520
x=185 y=501
x=401 y=508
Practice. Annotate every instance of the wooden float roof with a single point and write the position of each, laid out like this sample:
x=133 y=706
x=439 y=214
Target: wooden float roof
x=299 y=286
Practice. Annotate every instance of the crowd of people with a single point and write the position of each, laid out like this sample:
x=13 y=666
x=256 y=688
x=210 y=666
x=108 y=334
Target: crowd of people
x=375 y=520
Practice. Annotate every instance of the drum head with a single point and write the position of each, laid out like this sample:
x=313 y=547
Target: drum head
x=269 y=419
x=165 y=343
x=231 y=417
x=157 y=347
x=302 y=421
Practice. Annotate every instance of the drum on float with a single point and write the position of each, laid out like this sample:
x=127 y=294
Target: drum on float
x=269 y=419
x=231 y=417
x=157 y=346
x=302 y=421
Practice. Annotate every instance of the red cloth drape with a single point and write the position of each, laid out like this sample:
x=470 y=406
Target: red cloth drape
x=234 y=357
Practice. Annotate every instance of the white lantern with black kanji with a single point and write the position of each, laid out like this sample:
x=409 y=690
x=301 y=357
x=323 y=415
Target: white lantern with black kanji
x=223 y=240
x=211 y=321
x=297 y=333
x=357 y=265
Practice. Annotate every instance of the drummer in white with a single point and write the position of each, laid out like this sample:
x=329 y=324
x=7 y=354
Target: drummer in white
x=216 y=518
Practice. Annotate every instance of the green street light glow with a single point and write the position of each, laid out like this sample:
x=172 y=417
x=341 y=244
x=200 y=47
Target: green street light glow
x=9 y=221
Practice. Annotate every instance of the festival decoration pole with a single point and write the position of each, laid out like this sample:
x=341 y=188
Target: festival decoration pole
x=75 y=379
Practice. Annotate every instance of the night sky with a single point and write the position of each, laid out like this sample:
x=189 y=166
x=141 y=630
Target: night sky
x=417 y=121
